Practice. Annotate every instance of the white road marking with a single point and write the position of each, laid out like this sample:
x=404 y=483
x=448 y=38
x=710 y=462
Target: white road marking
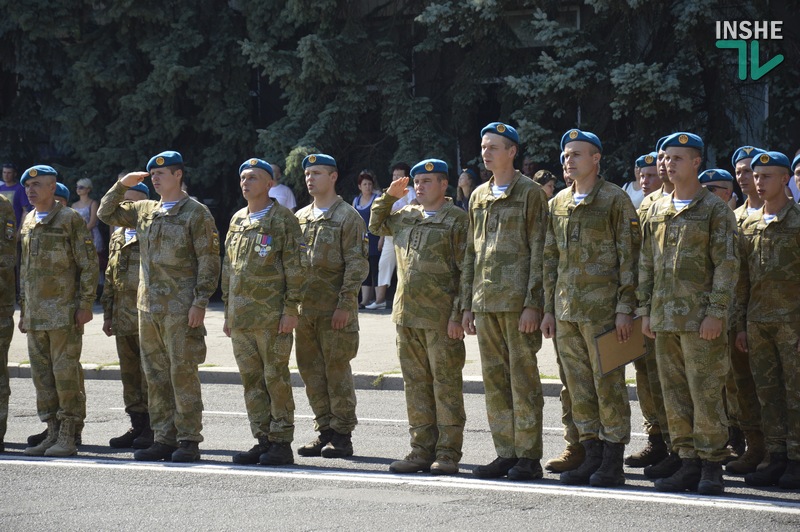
x=368 y=477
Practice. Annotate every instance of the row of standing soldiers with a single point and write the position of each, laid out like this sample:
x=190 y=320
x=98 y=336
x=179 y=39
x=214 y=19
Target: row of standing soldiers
x=509 y=270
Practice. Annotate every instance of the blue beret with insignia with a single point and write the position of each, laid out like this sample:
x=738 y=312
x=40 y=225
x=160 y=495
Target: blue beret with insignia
x=646 y=161
x=660 y=143
x=165 y=158
x=504 y=130
x=796 y=161
x=682 y=139
x=576 y=135
x=317 y=159
x=256 y=163
x=771 y=158
x=715 y=174
x=141 y=187
x=429 y=166
x=745 y=152
x=62 y=190
x=39 y=169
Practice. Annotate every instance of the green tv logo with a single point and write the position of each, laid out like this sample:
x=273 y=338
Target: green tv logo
x=736 y=34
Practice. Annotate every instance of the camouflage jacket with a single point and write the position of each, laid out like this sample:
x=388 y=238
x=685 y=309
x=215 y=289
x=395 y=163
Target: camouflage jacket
x=8 y=257
x=689 y=263
x=180 y=260
x=645 y=206
x=264 y=268
x=59 y=269
x=337 y=252
x=769 y=281
x=502 y=270
x=429 y=252
x=591 y=254
x=741 y=214
x=122 y=284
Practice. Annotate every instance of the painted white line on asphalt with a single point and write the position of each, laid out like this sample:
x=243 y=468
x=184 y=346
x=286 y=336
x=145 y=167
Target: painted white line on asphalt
x=368 y=477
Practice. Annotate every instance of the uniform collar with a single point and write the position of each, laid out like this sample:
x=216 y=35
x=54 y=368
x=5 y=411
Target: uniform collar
x=50 y=215
x=175 y=208
x=590 y=197
x=507 y=192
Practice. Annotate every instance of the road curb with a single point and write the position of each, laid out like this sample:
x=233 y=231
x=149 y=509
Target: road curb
x=363 y=381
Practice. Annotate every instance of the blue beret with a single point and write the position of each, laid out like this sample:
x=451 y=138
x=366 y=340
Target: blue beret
x=771 y=158
x=646 y=161
x=796 y=161
x=660 y=143
x=472 y=172
x=39 y=169
x=256 y=163
x=682 y=139
x=141 y=187
x=316 y=159
x=745 y=152
x=62 y=190
x=715 y=174
x=165 y=158
x=429 y=166
x=504 y=130
x=575 y=135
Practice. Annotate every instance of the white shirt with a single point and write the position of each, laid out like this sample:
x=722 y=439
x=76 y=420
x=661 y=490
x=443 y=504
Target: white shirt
x=283 y=195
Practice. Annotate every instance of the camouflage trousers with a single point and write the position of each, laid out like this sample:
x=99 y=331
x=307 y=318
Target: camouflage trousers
x=571 y=435
x=692 y=373
x=171 y=352
x=432 y=365
x=513 y=389
x=6 y=333
x=263 y=359
x=744 y=410
x=776 y=369
x=57 y=375
x=323 y=359
x=131 y=372
x=648 y=388
x=600 y=406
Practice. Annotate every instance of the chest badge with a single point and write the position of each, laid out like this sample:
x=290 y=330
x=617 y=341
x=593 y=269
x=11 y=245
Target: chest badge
x=263 y=246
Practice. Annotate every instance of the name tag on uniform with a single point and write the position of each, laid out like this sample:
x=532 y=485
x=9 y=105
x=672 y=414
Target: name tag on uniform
x=264 y=245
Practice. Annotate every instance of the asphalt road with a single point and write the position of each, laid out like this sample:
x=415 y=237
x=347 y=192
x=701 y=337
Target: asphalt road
x=104 y=490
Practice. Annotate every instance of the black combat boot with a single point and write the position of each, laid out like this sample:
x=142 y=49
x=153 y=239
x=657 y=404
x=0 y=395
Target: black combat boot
x=748 y=462
x=126 y=440
x=526 y=469
x=499 y=467
x=610 y=473
x=653 y=452
x=314 y=448
x=36 y=439
x=686 y=478
x=665 y=468
x=155 y=453
x=187 y=451
x=279 y=453
x=340 y=446
x=790 y=480
x=594 y=457
x=736 y=443
x=711 y=479
x=770 y=475
x=146 y=438
x=251 y=457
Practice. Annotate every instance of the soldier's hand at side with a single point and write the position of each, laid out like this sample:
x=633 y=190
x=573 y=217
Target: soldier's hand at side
x=624 y=325
x=468 y=322
x=133 y=178
x=21 y=327
x=529 y=320
x=454 y=330
x=548 y=325
x=741 y=341
x=646 y=327
x=226 y=329
x=339 y=319
x=107 y=327
x=398 y=188
x=710 y=328
x=196 y=316
x=287 y=324
x=82 y=317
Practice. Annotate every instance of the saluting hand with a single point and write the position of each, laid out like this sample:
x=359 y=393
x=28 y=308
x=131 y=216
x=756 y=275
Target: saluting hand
x=133 y=178
x=398 y=188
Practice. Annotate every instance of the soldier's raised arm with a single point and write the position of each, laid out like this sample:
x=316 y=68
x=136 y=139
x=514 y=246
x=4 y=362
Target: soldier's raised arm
x=112 y=210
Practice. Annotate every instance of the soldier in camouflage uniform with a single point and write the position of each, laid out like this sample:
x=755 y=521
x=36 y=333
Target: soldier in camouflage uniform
x=121 y=320
x=58 y=288
x=769 y=312
x=429 y=240
x=502 y=297
x=688 y=267
x=327 y=332
x=262 y=288
x=8 y=258
x=180 y=264
x=590 y=259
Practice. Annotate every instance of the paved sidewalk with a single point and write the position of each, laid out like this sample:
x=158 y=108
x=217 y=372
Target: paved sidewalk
x=375 y=367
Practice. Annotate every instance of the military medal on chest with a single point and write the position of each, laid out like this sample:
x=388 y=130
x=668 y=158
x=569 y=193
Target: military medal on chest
x=264 y=245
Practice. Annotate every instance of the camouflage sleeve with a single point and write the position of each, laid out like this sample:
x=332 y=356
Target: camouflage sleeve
x=295 y=261
x=468 y=264
x=459 y=234
x=550 y=267
x=725 y=259
x=206 y=246
x=226 y=272
x=356 y=265
x=381 y=216
x=742 y=288
x=113 y=211
x=644 y=291
x=107 y=298
x=536 y=217
x=628 y=241
x=85 y=256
